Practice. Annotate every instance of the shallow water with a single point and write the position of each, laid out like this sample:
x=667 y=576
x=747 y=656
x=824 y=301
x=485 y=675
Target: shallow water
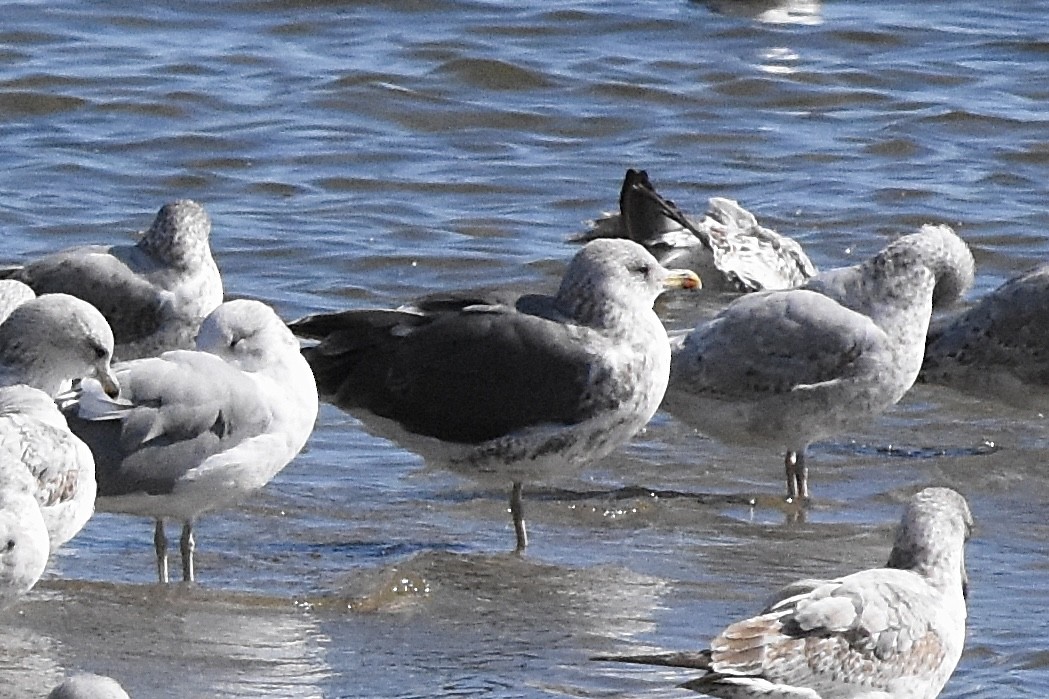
x=359 y=154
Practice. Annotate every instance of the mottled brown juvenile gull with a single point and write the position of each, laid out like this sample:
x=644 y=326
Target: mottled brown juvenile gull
x=999 y=348
x=509 y=386
x=886 y=633
x=196 y=430
x=154 y=293
x=23 y=537
x=48 y=342
x=727 y=248
x=88 y=686
x=782 y=369
x=34 y=433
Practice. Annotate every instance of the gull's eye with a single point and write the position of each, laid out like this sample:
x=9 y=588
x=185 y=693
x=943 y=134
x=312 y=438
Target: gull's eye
x=100 y=351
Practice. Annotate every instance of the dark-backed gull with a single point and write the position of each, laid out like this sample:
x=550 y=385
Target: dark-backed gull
x=504 y=385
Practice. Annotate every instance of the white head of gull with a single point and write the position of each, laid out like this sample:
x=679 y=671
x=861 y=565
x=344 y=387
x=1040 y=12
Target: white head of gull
x=786 y=368
x=49 y=341
x=24 y=546
x=196 y=430
x=886 y=633
x=999 y=347
x=727 y=248
x=504 y=385
x=34 y=433
x=154 y=293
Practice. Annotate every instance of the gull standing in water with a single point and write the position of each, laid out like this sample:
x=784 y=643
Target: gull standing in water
x=508 y=386
x=727 y=248
x=786 y=368
x=196 y=430
x=154 y=293
x=886 y=633
x=998 y=348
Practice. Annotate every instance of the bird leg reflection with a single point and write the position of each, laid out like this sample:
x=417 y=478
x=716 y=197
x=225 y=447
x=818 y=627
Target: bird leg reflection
x=186 y=547
x=160 y=543
x=517 y=512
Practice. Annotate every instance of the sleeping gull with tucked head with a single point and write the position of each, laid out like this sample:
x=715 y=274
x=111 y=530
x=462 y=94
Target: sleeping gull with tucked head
x=785 y=368
x=999 y=348
x=727 y=248
x=196 y=430
x=507 y=386
x=154 y=293
x=886 y=633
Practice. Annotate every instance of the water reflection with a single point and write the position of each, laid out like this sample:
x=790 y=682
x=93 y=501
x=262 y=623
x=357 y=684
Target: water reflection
x=178 y=642
x=481 y=625
x=770 y=11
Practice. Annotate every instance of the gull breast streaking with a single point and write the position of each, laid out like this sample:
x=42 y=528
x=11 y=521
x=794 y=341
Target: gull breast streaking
x=196 y=430
x=786 y=368
x=727 y=248
x=34 y=434
x=507 y=386
x=886 y=633
x=154 y=293
x=24 y=545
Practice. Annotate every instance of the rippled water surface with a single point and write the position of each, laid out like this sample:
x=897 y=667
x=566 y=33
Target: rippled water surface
x=357 y=154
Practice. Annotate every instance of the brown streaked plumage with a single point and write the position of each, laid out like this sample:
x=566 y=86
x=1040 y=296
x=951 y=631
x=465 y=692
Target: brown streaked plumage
x=886 y=633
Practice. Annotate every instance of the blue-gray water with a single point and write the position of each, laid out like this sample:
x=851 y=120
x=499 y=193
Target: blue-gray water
x=359 y=154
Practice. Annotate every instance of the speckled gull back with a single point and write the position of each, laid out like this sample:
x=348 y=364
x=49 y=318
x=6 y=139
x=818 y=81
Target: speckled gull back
x=999 y=347
x=885 y=633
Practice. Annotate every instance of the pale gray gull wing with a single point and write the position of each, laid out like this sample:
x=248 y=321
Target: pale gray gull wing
x=727 y=248
x=13 y=294
x=50 y=341
x=88 y=686
x=24 y=546
x=34 y=433
x=154 y=293
x=197 y=430
x=997 y=348
x=506 y=385
x=886 y=633
x=785 y=368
